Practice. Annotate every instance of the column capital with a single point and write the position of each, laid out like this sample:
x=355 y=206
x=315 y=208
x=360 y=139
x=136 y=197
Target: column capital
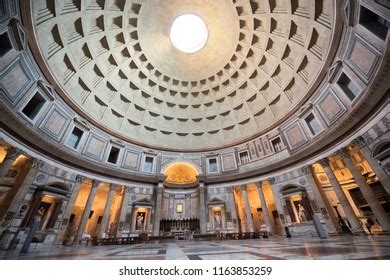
x=95 y=183
x=230 y=189
x=272 y=180
x=359 y=142
x=13 y=153
x=259 y=184
x=343 y=153
x=113 y=187
x=127 y=189
x=80 y=178
x=324 y=162
x=306 y=169
x=37 y=163
x=243 y=187
x=159 y=190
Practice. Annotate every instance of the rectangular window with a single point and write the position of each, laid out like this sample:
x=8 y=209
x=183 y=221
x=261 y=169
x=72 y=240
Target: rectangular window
x=350 y=89
x=5 y=44
x=277 y=144
x=313 y=124
x=244 y=157
x=213 y=167
x=373 y=22
x=148 y=166
x=33 y=107
x=113 y=156
x=75 y=137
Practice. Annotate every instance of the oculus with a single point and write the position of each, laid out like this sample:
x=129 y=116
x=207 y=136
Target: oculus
x=189 y=33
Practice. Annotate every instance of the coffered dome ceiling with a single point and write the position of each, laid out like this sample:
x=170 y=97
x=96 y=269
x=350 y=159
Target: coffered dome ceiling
x=114 y=62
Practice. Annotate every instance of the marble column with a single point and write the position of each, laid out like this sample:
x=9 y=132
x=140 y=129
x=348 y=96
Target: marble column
x=264 y=208
x=123 y=211
x=157 y=209
x=171 y=202
x=69 y=208
x=356 y=227
x=331 y=221
x=233 y=209
x=376 y=167
x=15 y=197
x=202 y=208
x=247 y=208
x=11 y=156
x=86 y=212
x=278 y=203
x=187 y=206
x=366 y=190
x=106 y=212
x=133 y=216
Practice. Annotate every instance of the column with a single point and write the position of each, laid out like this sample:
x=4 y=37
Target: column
x=366 y=190
x=171 y=206
x=376 y=167
x=233 y=209
x=79 y=182
x=187 y=206
x=202 y=208
x=123 y=211
x=133 y=216
x=157 y=209
x=106 y=212
x=17 y=194
x=353 y=220
x=331 y=222
x=87 y=210
x=12 y=154
x=247 y=208
x=267 y=218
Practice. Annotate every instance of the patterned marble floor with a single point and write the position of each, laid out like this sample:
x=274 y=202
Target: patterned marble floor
x=345 y=248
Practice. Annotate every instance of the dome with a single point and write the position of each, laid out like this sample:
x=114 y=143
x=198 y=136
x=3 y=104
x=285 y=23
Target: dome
x=116 y=65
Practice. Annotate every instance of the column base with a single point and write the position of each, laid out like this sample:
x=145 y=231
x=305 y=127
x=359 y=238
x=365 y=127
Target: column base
x=359 y=232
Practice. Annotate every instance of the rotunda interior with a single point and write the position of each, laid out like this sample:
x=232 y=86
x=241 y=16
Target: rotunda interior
x=131 y=121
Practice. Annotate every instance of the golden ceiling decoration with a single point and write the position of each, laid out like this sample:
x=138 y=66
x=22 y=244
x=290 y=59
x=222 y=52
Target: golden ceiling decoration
x=181 y=174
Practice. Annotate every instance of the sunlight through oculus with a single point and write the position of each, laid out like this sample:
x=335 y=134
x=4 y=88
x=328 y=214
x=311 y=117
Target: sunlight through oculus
x=189 y=33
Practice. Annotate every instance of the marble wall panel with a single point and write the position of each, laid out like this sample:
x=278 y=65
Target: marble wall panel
x=330 y=107
x=95 y=147
x=131 y=160
x=295 y=135
x=362 y=57
x=16 y=79
x=228 y=162
x=55 y=123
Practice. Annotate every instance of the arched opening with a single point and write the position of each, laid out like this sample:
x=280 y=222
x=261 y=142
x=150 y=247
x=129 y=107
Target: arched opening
x=180 y=201
x=382 y=153
x=44 y=209
x=297 y=203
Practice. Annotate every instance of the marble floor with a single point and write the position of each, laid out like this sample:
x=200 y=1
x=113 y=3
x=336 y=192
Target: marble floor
x=344 y=248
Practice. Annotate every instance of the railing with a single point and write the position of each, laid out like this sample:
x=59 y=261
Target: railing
x=129 y=240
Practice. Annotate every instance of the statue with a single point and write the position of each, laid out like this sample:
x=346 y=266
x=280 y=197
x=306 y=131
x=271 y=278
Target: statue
x=301 y=213
x=140 y=220
x=218 y=219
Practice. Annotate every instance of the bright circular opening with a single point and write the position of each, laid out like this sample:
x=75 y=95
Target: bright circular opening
x=189 y=33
